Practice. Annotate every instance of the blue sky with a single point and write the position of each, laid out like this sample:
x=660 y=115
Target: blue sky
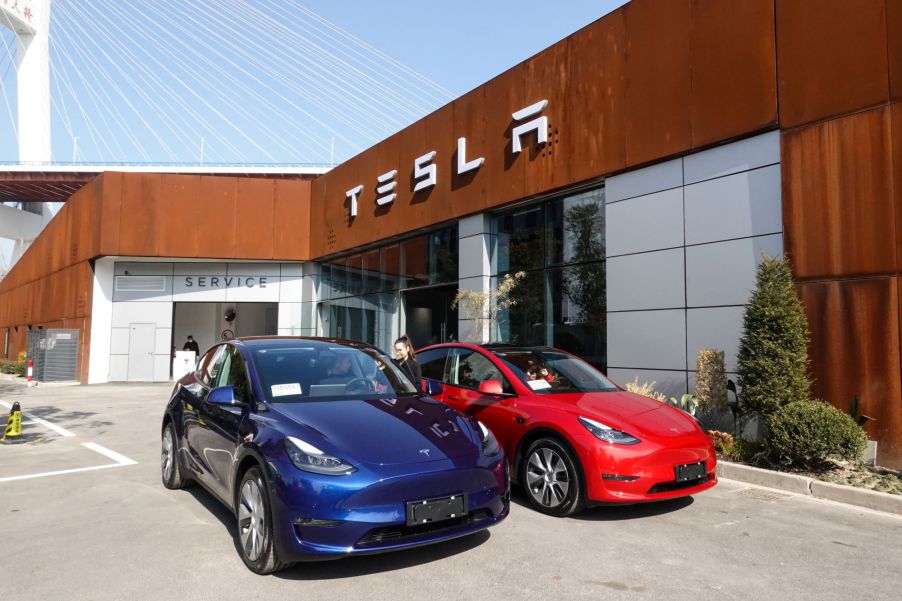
x=232 y=102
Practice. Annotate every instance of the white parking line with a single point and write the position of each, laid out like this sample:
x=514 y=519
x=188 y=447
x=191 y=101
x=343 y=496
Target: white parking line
x=120 y=460
x=45 y=423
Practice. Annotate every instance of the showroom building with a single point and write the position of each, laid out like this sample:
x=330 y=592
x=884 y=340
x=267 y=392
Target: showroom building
x=635 y=172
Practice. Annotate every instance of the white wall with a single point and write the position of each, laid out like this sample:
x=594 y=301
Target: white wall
x=684 y=238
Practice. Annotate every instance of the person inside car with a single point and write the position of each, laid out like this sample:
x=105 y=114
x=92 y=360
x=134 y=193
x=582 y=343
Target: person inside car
x=339 y=371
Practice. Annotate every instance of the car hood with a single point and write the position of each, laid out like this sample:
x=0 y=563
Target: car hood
x=636 y=414
x=384 y=431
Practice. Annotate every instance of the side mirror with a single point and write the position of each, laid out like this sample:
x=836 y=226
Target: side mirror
x=434 y=388
x=490 y=387
x=224 y=395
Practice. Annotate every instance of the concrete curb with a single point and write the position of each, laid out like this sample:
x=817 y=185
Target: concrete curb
x=803 y=485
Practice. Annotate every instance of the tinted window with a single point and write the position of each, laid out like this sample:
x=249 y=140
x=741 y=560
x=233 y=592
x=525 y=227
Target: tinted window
x=432 y=363
x=210 y=365
x=468 y=369
x=553 y=371
x=320 y=372
x=233 y=373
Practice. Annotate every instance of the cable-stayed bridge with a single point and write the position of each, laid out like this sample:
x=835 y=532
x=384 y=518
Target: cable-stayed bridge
x=244 y=87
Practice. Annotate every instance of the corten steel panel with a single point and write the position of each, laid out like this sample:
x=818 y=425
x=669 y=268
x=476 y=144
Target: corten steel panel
x=854 y=351
x=734 y=79
x=254 y=235
x=894 y=47
x=595 y=144
x=83 y=224
x=896 y=125
x=436 y=204
x=329 y=208
x=505 y=173
x=373 y=221
x=216 y=207
x=658 y=79
x=292 y=219
x=838 y=213
x=831 y=58
x=548 y=76
x=110 y=213
x=468 y=189
x=178 y=208
x=139 y=218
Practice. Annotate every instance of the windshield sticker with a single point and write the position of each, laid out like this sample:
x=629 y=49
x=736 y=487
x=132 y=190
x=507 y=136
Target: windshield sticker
x=538 y=384
x=285 y=389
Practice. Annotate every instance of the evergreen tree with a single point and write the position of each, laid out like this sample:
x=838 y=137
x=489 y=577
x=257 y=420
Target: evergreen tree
x=773 y=352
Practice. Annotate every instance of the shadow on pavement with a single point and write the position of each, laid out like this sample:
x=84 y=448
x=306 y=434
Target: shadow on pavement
x=613 y=513
x=347 y=567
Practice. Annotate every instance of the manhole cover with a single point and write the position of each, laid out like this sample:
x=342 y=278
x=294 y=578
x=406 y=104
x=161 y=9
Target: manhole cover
x=762 y=494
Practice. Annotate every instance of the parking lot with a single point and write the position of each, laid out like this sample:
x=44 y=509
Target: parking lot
x=84 y=516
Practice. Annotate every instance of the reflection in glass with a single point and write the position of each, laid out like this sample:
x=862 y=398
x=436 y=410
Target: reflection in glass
x=414 y=262
x=519 y=240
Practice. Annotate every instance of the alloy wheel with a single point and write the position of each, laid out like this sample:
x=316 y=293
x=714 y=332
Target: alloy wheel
x=547 y=478
x=251 y=520
x=167 y=455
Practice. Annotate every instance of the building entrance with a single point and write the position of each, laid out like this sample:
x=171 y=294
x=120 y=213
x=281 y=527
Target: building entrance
x=428 y=316
x=208 y=323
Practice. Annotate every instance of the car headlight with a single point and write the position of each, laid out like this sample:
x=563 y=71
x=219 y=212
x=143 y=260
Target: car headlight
x=490 y=446
x=307 y=457
x=607 y=433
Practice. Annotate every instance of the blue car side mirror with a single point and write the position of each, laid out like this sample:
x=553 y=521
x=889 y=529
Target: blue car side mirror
x=224 y=395
x=434 y=388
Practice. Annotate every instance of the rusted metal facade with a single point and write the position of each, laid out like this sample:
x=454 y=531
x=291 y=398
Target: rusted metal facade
x=650 y=81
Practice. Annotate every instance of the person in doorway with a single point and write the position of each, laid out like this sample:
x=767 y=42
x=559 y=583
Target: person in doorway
x=191 y=345
x=406 y=359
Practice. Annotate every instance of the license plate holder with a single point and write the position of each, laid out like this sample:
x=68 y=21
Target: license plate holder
x=427 y=511
x=690 y=471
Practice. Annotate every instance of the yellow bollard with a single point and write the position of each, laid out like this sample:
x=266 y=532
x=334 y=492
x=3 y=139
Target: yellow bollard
x=13 y=423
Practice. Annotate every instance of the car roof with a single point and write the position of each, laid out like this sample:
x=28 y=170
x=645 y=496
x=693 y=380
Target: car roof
x=288 y=341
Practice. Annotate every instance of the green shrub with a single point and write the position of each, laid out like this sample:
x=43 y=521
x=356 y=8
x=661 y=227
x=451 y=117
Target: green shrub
x=772 y=365
x=813 y=435
x=12 y=367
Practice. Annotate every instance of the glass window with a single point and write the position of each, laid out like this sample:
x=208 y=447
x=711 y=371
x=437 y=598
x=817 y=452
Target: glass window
x=432 y=363
x=371 y=280
x=354 y=266
x=443 y=256
x=525 y=321
x=390 y=259
x=468 y=369
x=553 y=371
x=576 y=228
x=211 y=364
x=520 y=239
x=414 y=262
x=233 y=373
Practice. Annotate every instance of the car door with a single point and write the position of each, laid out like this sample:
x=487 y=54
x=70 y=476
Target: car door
x=465 y=370
x=195 y=427
x=222 y=424
x=432 y=364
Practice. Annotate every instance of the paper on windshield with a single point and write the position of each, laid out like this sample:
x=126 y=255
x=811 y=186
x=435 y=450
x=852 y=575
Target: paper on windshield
x=285 y=389
x=538 y=384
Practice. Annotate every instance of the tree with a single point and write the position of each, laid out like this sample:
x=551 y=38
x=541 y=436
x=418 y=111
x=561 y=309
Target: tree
x=773 y=351
x=483 y=307
x=585 y=283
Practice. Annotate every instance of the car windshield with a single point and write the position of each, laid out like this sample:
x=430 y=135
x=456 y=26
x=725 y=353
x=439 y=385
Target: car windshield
x=324 y=372
x=554 y=372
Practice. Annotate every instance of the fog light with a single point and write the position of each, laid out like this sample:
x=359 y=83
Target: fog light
x=314 y=522
x=619 y=478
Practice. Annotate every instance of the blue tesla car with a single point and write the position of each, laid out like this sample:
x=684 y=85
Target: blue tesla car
x=323 y=448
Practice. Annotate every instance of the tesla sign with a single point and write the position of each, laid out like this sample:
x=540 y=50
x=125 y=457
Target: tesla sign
x=425 y=170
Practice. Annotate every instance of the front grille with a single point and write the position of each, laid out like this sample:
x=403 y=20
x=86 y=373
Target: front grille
x=401 y=532
x=672 y=486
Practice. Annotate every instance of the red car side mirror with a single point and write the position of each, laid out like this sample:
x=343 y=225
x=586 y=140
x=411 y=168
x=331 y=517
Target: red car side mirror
x=490 y=387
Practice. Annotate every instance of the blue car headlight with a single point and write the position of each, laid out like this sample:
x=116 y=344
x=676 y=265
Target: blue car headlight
x=307 y=457
x=490 y=446
x=607 y=433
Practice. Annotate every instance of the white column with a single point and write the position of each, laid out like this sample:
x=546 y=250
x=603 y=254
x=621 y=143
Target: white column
x=101 y=321
x=474 y=269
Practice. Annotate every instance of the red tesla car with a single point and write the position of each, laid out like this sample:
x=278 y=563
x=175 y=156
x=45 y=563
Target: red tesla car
x=573 y=437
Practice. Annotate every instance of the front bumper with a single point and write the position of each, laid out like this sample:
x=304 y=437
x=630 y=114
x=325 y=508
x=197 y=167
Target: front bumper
x=323 y=517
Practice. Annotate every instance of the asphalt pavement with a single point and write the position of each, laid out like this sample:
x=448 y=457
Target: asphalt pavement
x=83 y=515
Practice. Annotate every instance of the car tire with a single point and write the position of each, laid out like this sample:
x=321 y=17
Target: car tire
x=552 y=479
x=255 y=531
x=170 y=470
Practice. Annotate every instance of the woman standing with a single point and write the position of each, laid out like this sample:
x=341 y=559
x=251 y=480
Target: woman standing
x=406 y=358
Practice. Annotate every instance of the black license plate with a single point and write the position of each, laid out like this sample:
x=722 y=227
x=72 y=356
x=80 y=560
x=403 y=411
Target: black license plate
x=690 y=471
x=436 y=510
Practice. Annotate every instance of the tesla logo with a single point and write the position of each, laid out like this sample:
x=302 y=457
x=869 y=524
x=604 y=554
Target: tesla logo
x=425 y=452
